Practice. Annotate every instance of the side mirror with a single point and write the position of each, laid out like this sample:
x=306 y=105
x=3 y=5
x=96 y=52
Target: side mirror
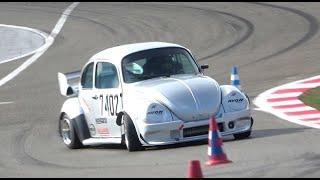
x=204 y=66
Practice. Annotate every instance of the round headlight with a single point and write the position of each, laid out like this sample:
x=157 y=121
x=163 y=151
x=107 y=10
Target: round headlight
x=157 y=113
x=235 y=100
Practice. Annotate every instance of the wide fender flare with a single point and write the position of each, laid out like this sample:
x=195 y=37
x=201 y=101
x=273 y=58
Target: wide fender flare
x=134 y=105
x=134 y=121
x=72 y=108
x=133 y=118
x=230 y=102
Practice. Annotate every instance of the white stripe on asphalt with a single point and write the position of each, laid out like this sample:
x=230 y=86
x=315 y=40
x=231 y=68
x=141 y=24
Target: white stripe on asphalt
x=304 y=108
x=1 y=103
x=306 y=116
x=285 y=95
x=280 y=103
x=43 y=34
x=40 y=51
x=259 y=109
x=308 y=79
x=306 y=85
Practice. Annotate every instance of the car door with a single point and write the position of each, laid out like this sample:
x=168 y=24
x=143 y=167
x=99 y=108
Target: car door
x=108 y=90
x=87 y=98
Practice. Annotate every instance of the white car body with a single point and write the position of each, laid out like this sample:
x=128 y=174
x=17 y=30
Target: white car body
x=164 y=110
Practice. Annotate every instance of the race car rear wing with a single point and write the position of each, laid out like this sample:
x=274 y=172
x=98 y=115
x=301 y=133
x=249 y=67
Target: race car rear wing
x=68 y=83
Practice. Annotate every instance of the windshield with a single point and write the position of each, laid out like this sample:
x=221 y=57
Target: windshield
x=158 y=62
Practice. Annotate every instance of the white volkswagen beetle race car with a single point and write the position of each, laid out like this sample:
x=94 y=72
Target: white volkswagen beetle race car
x=147 y=94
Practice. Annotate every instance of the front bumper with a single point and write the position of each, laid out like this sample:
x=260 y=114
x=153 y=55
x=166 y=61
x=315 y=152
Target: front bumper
x=179 y=131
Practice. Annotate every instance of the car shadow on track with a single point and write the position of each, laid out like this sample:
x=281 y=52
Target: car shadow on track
x=178 y=145
x=107 y=146
x=260 y=133
x=171 y=146
x=188 y=144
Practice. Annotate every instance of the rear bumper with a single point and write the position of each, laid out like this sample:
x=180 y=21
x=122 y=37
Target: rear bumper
x=179 y=131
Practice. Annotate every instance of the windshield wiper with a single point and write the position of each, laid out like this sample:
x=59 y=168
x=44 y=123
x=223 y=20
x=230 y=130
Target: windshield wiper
x=144 y=77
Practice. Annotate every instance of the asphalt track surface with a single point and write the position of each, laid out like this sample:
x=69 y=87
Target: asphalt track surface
x=270 y=43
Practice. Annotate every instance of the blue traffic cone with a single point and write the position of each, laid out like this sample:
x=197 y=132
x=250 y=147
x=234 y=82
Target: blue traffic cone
x=215 y=150
x=235 y=80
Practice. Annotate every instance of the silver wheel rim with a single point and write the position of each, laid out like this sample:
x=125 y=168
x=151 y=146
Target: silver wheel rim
x=66 y=131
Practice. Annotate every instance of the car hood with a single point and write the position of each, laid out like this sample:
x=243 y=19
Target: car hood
x=189 y=97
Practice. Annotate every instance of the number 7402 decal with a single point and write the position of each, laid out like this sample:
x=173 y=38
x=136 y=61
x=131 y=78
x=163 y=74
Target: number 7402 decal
x=109 y=103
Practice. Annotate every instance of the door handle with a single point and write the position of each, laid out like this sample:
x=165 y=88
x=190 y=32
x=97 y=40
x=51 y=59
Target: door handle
x=95 y=97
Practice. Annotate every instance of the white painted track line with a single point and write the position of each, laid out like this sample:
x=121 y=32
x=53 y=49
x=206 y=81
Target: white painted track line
x=40 y=51
x=1 y=103
x=43 y=34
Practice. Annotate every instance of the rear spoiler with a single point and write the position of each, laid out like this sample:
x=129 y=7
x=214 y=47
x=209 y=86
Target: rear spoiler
x=69 y=83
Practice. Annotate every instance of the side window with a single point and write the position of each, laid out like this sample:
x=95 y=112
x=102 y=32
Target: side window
x=87 y=77
x=106 y=76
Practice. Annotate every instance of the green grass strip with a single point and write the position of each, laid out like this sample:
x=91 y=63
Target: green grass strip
x=311 y=97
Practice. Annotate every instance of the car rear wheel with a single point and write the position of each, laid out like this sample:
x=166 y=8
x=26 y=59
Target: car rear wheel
x=68 y=133
x=130 y=135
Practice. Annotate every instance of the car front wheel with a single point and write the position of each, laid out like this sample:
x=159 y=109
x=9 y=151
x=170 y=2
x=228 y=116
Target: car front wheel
x=131 y=138
x=244 y=134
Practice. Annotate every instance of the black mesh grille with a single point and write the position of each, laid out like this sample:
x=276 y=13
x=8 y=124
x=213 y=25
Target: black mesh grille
x=195 y=131
x=199 y=130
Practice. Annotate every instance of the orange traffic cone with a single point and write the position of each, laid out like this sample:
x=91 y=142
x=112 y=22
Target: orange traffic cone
x=194 y=169
x=215 y=150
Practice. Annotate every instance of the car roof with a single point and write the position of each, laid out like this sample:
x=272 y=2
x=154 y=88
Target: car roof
x=115 y=54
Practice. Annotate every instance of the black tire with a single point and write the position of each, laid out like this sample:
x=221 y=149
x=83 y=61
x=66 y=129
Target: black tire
x=248 y=98
x=69 y=135
x=242 y=135
x=59 y=128
x=130 y=135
